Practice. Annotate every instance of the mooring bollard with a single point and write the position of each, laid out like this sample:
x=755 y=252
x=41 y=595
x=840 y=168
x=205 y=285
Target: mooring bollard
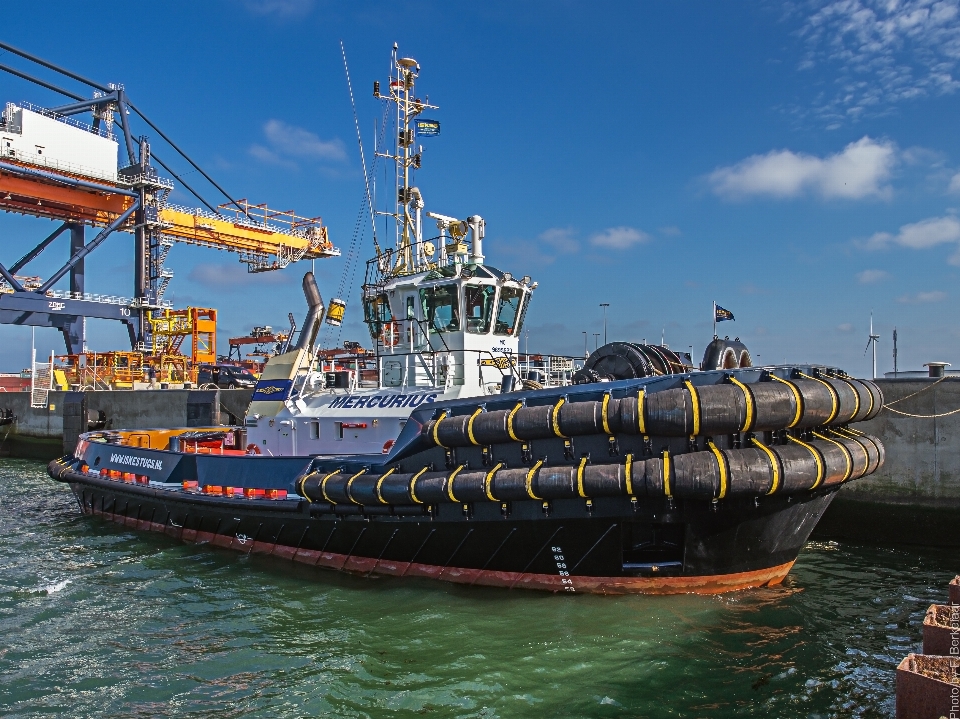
x=928 y=687
x=941 y=631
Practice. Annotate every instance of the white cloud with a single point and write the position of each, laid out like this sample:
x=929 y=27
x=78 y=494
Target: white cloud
x=560 y=239
x=267 y=155
x=618 y=238
x=923 y=297
x=881 y=52
x=670 y=231
x=868 y=277
x=846 y=328
x=919 y=235
x=860 y=170
x=954 y=184
x=297 y=142
x=288 y=144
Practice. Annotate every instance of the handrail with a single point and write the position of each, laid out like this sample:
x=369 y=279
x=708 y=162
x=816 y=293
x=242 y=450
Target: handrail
x=551 y=377
x=102 y=131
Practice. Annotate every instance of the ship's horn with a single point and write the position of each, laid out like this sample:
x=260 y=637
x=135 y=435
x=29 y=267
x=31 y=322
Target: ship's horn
x=311 y=324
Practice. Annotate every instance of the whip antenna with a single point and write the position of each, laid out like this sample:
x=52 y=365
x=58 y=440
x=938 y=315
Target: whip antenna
x=363 y=161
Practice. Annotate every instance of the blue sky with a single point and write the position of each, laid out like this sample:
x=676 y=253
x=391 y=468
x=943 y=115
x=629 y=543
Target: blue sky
x=796 y=162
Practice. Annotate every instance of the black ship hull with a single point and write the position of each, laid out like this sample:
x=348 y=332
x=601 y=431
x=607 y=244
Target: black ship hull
x=705 y=483
x=653 y=546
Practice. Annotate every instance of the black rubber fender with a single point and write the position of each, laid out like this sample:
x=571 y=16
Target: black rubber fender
x=709 y=474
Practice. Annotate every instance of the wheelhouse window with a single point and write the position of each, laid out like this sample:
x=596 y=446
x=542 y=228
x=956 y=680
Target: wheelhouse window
x=441 y=307
x=479 y=307
x=509 y=313
x=376 y=313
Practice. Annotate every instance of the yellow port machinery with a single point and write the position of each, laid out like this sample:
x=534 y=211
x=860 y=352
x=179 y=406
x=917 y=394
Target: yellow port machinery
x=84 y=175
x=172 y=327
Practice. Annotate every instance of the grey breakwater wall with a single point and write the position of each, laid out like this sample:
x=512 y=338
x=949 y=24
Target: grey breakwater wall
x=915 y=497
x=48 y=432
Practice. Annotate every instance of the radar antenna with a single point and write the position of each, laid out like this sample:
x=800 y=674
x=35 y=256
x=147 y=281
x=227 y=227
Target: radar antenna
x=409 y=252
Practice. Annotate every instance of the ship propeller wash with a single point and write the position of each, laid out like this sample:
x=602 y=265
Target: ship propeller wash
x=447 y=454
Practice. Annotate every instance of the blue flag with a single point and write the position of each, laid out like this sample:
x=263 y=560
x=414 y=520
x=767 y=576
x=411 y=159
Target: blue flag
x=427 y=128
x=723 y=314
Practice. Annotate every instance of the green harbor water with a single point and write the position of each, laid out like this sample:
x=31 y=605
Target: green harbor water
x=98 y=620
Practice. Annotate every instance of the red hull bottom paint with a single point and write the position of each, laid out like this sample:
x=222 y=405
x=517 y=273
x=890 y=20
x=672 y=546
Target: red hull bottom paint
x=715 y=584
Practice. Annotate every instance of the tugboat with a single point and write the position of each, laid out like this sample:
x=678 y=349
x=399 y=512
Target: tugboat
x=446 y=455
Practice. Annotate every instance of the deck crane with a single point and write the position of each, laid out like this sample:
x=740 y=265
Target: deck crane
x=53 y=166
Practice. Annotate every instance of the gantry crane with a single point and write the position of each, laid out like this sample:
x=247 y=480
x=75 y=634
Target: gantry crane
x=55 y=167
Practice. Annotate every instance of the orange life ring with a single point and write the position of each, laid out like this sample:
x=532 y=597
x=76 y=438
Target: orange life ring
x=253 y=449
x=390 y=334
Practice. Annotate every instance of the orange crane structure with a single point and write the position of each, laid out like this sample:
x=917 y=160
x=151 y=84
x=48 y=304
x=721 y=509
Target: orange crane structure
x=85 y=176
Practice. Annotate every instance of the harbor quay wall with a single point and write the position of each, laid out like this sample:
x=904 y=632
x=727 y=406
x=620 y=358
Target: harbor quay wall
x=915 y=497
x=50 y=431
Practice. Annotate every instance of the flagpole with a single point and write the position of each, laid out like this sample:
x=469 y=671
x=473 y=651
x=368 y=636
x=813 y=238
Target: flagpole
x=714 y=321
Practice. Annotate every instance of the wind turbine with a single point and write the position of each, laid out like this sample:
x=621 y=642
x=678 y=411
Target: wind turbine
x=873 y=340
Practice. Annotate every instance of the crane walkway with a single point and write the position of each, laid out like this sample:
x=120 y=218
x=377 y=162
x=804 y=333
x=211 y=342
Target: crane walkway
x=255 y=231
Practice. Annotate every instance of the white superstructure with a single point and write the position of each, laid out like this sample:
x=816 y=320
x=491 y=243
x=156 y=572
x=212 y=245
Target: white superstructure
x=45 y=139
x=445 y=326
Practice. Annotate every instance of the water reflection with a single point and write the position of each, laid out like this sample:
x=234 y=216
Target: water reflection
x=97 y=620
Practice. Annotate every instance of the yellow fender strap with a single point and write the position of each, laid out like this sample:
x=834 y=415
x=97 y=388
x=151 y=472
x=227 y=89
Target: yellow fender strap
x=380 y=484
x=748 y=400
x=603 y=413
x=849 y=431
x=846 y=455
x=436 y=428
x=323 y=485
x=413 y=485
x=834 y=397
x=510 y=417
x=470 y=426
x=302 y=482
x=555 y=417
x=816 y=458
x=866 y=453
x=856 y=398
x=530 y=475
x=774 y=465
x=695 y=402
x=628 y=475
x=453 y=476
x=641 y=425
x=583 y=463
x=871 y=401
x=796 y=396
x=350 y=483
x=722 y=465
x=487 y=483
x=666 y=473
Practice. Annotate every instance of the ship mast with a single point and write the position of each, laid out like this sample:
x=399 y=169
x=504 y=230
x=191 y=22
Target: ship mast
x=409 y=106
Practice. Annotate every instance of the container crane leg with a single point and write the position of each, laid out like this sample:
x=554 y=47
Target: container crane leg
x=87 y=249
x=11 y=280
x=74 y=334
x=32 y=254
